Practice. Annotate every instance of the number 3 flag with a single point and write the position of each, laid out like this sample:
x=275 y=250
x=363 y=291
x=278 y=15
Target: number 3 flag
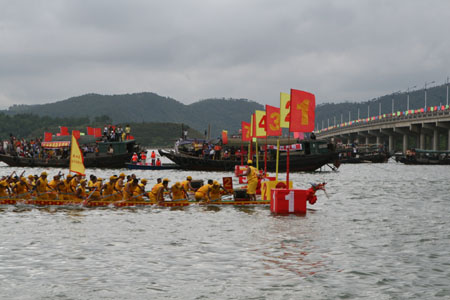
x=273 y=121
x=302 y=113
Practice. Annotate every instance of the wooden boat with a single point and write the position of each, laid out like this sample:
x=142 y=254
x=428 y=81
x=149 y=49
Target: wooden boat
x=424 y=157
x=104 y=158
x=362 y=154
x=308 y=155
x=140 y=166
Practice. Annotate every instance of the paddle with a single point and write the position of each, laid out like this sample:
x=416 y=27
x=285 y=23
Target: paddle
x=85 y=202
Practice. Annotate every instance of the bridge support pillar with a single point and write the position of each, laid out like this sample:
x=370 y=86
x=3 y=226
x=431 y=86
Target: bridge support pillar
x=405 y=143
x=367 y=140
x=422 y=140
x=435 y=139
x=378 y=140
x=391 y=143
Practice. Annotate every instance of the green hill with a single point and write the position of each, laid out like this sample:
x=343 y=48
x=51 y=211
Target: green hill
x=149 y=107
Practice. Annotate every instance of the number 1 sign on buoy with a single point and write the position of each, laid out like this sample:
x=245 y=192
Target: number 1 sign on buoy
x=288 y=201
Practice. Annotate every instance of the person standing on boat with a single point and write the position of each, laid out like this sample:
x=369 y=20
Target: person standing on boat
x=252 y=180
x=143 y=157
x=42 y=186
x=158 y=162
x=119 y=186
x=153 y=156
x=127 y=131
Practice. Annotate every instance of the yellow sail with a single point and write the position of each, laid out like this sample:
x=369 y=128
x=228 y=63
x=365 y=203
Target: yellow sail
x=76 y=158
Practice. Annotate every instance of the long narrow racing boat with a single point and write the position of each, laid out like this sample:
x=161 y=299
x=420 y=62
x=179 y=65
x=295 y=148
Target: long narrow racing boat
x=124 y=203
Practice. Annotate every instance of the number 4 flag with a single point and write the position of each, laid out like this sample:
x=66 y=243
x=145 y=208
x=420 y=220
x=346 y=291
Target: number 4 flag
x=260 y=121
x=302 y=112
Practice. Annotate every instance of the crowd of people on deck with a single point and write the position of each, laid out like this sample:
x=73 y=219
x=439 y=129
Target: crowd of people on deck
x=142 y=158
x=211 y=151
x=21 y=147
x=33 y=148
x=116 y=133
x=118 y=188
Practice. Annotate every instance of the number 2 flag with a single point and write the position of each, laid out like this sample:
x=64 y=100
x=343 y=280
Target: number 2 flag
x=273 y=121
x=302 y=112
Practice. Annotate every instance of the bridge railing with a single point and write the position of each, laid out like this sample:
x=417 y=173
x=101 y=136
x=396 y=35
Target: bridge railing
x=418 y=114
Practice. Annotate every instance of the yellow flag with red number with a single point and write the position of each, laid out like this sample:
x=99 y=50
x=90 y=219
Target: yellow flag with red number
x=285 y=108
x=76 y=158
x=260 y=123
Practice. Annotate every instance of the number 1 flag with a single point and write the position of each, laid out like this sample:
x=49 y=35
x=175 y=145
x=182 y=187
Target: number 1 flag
x=302 y=112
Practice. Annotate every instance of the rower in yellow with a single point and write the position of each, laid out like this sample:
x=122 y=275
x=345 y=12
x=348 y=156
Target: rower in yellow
x=139 y=191
x=4 y=189
x=217 y=190
x=129 y=188
x=252 y=180
x=187 y=184
x=109 y=189
x=42 y=186
x=81 y=190
x=21 y=189
x=65 y=188
x=157 y=192
x=178 y=192
x=119 y=186
x=54 y=187
x=96 y=189
x=203 y=193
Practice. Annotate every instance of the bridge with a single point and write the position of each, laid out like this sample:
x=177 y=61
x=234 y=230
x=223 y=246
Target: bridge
x=420 y=128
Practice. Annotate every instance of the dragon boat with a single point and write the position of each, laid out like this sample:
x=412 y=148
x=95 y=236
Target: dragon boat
x=124 y=203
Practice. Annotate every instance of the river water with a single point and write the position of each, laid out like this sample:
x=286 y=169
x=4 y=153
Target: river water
x=383 y=233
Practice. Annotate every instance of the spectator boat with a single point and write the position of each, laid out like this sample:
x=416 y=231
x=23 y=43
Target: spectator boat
x=56 y=153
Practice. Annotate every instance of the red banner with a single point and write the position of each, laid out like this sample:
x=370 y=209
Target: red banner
x=246 y=136
x=63 y=130
x=224 y=137
x=47 y=136
x=302 y=113
x=273 y=121
x=97 y=132
x=284 y=148
x=90 y=131
x=76 y=134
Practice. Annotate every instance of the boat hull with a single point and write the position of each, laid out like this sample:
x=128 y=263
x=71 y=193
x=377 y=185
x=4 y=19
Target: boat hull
x=99 y=161
x=132 y=166
x=297 y=163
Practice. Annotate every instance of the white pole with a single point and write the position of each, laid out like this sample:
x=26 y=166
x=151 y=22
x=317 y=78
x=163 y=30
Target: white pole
x=447 y=90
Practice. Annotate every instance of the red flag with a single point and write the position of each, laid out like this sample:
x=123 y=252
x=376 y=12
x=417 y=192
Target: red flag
x=63 y=130
x=76 y=134
x=97 y=132
x=224 y=137
x=90 y=131
x=246 y=136
x=273 y=121
x=303 y=106
x=47 y=136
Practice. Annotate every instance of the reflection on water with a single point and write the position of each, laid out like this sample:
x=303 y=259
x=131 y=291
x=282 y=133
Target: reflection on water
x=382 y=234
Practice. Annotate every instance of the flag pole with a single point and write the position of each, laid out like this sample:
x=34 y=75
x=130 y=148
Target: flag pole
x=278 y=158
x=265 y=157
x=257 y=154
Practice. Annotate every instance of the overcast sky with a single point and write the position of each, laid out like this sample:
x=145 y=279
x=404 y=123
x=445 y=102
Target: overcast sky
x=192 y=50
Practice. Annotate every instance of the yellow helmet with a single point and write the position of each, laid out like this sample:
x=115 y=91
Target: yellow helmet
x=112 y=178
x=143 y=180
x=83 y=181
x=30 y=176
x=23 y=178
x=249 y=162
x=44 y=173
x=122 y=175
x=189 y=178
x=216 y=183
x=166 y=180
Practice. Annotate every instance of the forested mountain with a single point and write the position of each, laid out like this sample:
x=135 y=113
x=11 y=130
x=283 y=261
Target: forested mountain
x=329 y=112
x=149 y=107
